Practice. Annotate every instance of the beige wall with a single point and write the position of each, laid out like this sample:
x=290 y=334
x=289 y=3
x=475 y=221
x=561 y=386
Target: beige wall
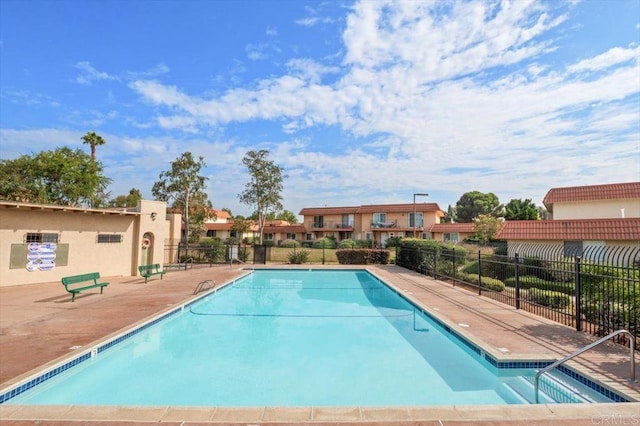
x=605 y=209
x=439 y=236
x=79 y=229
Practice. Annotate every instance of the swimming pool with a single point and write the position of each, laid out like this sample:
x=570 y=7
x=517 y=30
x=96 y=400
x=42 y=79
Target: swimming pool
x=292 y=338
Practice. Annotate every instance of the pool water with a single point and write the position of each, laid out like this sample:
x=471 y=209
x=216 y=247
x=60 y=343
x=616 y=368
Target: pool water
x=293 y=338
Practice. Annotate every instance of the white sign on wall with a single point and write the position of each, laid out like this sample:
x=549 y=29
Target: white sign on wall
x=41 y=256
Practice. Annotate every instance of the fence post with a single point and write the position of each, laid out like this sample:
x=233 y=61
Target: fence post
x=454 y=266
x=323 y=253
x=479 y=274
x=578 y=281
x=435 y=263
x=517 y=277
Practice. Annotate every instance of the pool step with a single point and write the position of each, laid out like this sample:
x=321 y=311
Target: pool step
x=553 y=389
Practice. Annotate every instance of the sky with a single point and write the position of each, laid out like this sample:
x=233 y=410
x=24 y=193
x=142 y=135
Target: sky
x=360 y=103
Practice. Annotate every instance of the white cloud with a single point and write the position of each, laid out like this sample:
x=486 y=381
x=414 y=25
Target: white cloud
x=425 y=88
x=612 y=57
x=89 y=74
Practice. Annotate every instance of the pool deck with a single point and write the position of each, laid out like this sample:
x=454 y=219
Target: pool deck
x=40 y=326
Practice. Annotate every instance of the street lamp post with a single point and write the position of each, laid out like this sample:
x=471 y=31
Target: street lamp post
x=414 y=210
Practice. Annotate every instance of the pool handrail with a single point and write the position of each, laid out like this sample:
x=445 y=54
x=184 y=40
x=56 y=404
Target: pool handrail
x=632 y=344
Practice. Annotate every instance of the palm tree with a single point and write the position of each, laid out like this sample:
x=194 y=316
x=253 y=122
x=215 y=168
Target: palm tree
x=93 y=140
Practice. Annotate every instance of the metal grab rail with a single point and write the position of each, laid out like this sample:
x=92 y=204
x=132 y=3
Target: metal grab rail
x=632 y=344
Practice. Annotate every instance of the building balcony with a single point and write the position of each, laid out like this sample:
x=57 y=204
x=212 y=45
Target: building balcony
x=329 y=226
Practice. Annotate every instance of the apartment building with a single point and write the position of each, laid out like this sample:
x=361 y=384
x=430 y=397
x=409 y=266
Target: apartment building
x=374 y=222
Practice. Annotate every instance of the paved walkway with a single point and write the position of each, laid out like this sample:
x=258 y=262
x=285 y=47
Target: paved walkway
x=39 y=326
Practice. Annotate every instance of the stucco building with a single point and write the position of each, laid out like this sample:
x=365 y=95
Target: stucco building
x=41 y=243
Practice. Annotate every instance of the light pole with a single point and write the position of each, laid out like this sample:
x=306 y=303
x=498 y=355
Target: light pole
x=414 y=210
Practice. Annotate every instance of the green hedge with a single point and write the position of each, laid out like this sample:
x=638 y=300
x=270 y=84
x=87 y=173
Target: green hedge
x=528 y=281
x=487 y=282
x=551 y=299
x=362 y=256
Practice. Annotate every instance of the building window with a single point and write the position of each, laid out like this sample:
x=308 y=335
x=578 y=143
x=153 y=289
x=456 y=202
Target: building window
x=291 y=236
x=109 y=238
x=451 y=236
x=347 y=220
x=309 y=237
x=379 y=218
x=211 y=233
x=41 y=237
x=426 y=236
x=268 y=237
x=368 y=236
x=318 y=221
x=417 y=223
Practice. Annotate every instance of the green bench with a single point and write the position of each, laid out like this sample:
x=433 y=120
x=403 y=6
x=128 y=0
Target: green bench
x=78 y=283
x=148 y=271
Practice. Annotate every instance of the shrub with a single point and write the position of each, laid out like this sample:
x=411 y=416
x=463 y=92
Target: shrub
x=289 y=244
x=325 y=243
x=528 y=281
x=348 y=243
x=298 y=257
x=551 y=299
x=393 y=242
x=362 y=256
x=470 y=268
x=487 y=282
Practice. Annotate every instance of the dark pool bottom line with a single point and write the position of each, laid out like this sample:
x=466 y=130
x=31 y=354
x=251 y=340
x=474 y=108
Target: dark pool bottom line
x=87 y=355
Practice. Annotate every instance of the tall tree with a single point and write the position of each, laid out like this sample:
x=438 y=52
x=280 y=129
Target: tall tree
x=517 y=209
x=240 y=226
x=62 y=176
x=93 y=139
x=182 y=184
x=449 y=215
x=264 y=186
x=473 y=204
x=130 y=200
x=485 y=227
x=287 y=215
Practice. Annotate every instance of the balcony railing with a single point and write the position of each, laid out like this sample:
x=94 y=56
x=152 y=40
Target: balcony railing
x=330 y=225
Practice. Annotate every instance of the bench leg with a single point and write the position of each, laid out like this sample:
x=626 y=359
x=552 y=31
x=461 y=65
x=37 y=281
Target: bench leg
x=73 y=297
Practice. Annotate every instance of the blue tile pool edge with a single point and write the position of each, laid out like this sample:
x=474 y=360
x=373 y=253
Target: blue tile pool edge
x=28 y=383
x=87 y=354
x=607 y=392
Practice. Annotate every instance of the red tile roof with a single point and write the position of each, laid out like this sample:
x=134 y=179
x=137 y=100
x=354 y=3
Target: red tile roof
x=372 y=208
x=613 y=191
x=452 y=227
x=285 y=229
x=217 y=226
x=399 y=208
x=577 y=229
x=307 y=211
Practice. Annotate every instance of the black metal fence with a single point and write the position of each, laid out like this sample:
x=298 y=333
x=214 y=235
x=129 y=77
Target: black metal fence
x=183 y=254
x=596 y=294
